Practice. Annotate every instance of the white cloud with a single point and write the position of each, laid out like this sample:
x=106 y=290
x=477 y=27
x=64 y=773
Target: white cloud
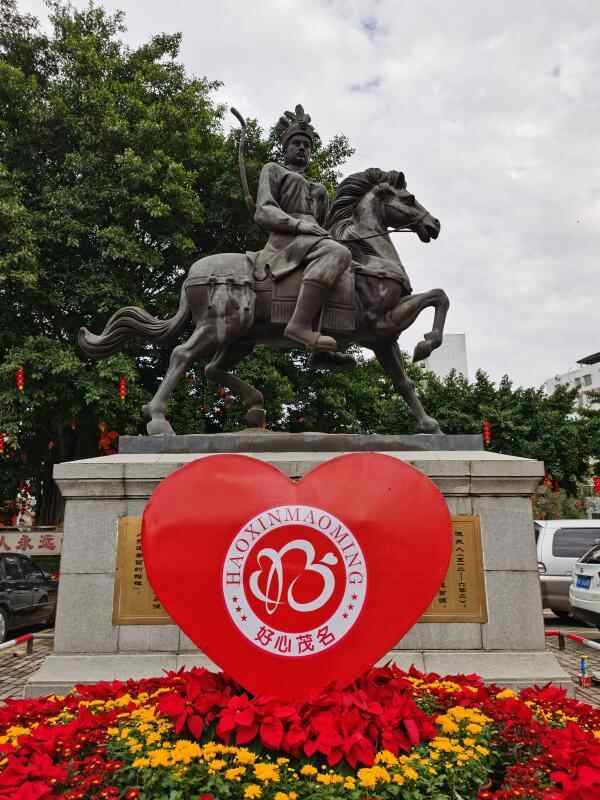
x=491 y=111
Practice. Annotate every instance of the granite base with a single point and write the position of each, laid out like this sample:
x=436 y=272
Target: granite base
x=509 y=649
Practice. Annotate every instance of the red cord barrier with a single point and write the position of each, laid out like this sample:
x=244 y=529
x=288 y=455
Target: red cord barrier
x=574 y=637
x=14 y=642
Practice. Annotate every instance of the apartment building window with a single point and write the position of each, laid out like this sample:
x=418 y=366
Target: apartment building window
x=577 y=381
x=587 y=379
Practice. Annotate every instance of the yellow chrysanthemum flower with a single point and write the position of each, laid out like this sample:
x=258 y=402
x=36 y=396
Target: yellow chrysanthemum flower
x=410 y=773
x=244 y=756
x=387 y=758
x=266 y=772
x=234 y=773
x=506 y=694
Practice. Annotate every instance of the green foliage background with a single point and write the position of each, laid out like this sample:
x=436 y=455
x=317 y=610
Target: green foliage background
x=115 y=175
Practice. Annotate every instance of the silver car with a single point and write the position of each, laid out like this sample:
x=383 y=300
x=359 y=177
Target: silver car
x=584 y=592
x=560 y=543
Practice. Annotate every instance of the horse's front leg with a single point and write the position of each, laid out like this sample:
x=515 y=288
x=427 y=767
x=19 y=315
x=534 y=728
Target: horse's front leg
x=435 y=337
x=409 y=308
x=390 y=358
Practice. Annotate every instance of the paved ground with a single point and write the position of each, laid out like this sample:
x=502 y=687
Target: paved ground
x=16 y=665
x=570 y=657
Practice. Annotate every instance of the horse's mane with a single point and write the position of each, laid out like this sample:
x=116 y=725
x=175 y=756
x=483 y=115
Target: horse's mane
x=351 y=190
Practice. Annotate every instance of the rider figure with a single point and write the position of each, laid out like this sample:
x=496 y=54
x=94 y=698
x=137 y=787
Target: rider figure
x=293 y=209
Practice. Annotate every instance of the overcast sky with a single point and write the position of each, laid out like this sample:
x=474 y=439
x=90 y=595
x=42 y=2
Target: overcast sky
x=490 y=109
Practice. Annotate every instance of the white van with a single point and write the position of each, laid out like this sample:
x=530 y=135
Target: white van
x=560 y=543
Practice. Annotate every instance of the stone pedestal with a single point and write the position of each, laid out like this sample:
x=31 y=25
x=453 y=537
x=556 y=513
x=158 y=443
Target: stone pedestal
x=508 y=649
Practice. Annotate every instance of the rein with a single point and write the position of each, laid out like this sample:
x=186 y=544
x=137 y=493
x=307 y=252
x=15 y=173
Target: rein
x=404 y=229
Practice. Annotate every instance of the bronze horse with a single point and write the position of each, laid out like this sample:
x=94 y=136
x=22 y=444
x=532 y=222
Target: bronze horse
x=230 y=305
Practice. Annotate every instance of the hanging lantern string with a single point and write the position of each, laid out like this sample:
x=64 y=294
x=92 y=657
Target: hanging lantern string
x=122 y=388
x=487 y=432
x=20 y=379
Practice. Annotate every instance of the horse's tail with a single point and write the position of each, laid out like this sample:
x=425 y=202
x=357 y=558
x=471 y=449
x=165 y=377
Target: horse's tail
x=130 y=322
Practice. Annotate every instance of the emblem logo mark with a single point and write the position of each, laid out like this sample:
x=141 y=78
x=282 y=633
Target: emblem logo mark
x=276 y=571
x=294 y=580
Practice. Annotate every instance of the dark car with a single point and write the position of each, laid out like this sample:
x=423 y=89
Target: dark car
x=27 y=594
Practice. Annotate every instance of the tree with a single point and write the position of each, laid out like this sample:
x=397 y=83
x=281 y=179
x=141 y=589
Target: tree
x=524 y=422
x=115 y=174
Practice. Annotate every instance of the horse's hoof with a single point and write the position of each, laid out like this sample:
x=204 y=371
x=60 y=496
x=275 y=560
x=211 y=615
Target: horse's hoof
x=159 y=427
x=256 y=418
x=429 y=425
x=422 y=350
x=435 y=338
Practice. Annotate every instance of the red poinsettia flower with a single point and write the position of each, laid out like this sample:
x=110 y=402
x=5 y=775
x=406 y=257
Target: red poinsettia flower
x=327 y=740
x=357 y=747
x=32 y=790
x=191 y=708
x=239 y=716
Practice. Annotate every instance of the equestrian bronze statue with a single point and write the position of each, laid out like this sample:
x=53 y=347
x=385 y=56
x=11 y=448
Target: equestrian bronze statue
x=327 y=277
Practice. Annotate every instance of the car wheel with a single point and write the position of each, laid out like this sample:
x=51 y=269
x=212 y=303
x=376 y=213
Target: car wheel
x=3 y=625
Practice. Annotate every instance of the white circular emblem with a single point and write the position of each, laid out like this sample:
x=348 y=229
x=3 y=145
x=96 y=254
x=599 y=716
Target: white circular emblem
x=294 y=580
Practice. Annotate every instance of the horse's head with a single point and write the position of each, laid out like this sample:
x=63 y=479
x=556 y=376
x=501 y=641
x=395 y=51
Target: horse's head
x=380 y=200
x=401 y=209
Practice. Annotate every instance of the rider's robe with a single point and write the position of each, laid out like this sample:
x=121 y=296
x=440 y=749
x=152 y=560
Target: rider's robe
x=284 y=199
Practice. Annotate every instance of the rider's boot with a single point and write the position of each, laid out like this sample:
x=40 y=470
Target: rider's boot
x=311 y=300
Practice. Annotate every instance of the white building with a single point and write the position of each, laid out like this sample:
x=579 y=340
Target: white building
x=451 y=355
x=585 y=378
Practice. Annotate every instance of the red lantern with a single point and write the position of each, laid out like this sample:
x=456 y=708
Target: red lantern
x=596 y=484
x=122 y=388
x=20 y=379
x=487 y=432
x=1 y=443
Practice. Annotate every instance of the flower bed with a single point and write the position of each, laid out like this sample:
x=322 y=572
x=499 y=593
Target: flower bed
x=196 y=735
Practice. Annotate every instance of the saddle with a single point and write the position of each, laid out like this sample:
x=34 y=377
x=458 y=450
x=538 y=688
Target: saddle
x=339 y=313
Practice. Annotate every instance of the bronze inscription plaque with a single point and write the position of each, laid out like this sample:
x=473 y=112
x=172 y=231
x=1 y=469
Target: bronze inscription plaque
x=461 y=597
x=134 y=601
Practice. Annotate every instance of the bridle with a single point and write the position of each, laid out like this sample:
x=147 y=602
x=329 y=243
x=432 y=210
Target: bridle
x=404 y=229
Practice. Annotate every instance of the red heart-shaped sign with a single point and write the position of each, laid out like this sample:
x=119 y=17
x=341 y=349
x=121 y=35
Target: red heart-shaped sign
x=290 y=585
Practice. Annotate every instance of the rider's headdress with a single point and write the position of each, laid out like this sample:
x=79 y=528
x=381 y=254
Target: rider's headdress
x=295 y=122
